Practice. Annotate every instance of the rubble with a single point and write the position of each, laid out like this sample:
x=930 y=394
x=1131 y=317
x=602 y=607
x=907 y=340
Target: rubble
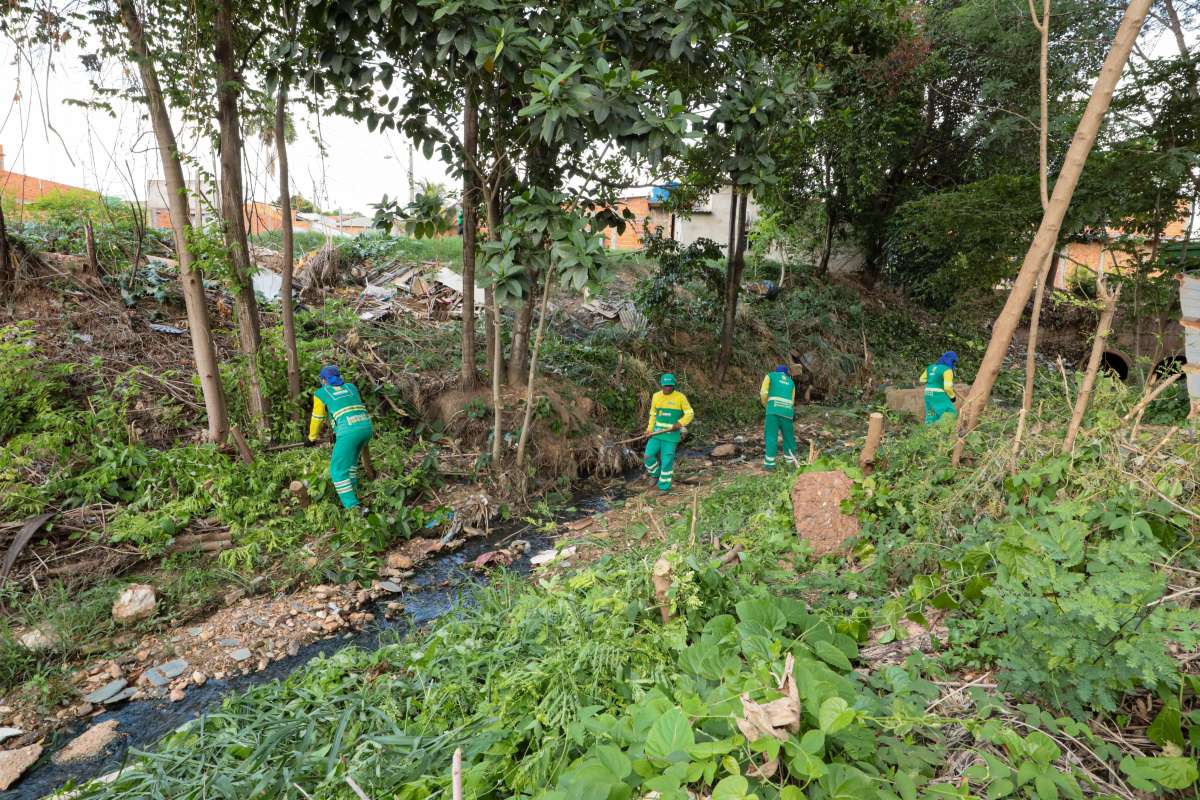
x=88 y=745
x=429 y=290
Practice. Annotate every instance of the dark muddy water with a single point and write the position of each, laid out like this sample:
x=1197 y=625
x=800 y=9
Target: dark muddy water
x=437 y=587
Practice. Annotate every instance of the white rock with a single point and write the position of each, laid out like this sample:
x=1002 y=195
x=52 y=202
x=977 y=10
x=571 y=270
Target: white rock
x=136 y=602
x=37 y=639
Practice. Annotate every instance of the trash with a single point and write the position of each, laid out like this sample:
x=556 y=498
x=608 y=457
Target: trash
x=602 y=309
x=268 y=284
x=550 y=556
x=171 y=329
x=493 y=558
x=8 y=733
x=765 y=289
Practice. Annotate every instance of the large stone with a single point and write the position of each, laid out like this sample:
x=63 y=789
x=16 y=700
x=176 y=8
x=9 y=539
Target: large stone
x=39 y=639
x=13 y=763
x=912 y=401
x=107 y=691
x=399 y=561
x=816 y=505
x=88 y=745
x=725 y=450
x=164 y=673
x=136 y=602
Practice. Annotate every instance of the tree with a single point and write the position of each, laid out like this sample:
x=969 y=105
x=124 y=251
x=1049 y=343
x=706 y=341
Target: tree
x=192 y=280
x=233 y=200
x=1047 y=235
x=290 y=13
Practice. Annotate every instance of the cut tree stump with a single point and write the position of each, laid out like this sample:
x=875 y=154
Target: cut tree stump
x=300 y=492
x=912 y=401
x=816 y=506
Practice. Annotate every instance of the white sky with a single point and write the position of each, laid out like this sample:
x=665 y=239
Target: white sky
x=45 y=136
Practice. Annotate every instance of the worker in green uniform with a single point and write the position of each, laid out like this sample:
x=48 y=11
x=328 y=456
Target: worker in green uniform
x=670 y=413
x=778 y=396
x=351 y=431
x=938 y=379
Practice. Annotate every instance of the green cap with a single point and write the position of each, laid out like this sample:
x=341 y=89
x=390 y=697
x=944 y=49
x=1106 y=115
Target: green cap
x=667 y=380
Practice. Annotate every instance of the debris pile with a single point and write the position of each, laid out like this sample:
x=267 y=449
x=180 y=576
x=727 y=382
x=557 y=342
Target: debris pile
x=600 y=312
x=428 y=290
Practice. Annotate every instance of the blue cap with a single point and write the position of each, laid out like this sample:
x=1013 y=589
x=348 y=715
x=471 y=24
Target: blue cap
x=332 y=375
x=782 y=368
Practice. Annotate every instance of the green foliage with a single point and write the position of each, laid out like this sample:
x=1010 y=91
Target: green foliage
x=963 y=240
x=57 y=222
x=697 y=268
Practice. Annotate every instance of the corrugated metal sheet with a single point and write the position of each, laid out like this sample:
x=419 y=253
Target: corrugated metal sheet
x=1189 y=303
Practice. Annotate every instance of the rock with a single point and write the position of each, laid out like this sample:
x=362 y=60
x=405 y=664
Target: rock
x=83 y=709
x=195 y=631
x=13 y=763
x=206 y=636
x=230 y=643
x=389 y=586
x=136 y=602
x=39 y=639
x=725 y=451
x=128 y=693
x=218 y=676
x=262 y=664
x=88 y=745
x=241 y=654
x=107 y=691
x=234 y=595
x=293 y=648
x=163 y=674
x=115 y=671
x=392 y=610
x=816 y=507
x=399 y=561
x=199 y=678
x=176 y=695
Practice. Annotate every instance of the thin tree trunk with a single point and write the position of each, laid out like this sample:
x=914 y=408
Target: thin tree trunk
x=191 y=279
x=735 y=288
x=827 y=248
x=233 y=214
x=1093 y=368
x=518 y=357
x=729 y=315
x=1043 y=27
x=7 y=276
x=470 y=205
x=537 y=346
x=286 y=309
x=1048 y=230
x=89 y=235
x=493 y=309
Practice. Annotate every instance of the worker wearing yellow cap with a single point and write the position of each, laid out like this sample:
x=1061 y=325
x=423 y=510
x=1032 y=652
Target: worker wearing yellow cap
x=670 y=413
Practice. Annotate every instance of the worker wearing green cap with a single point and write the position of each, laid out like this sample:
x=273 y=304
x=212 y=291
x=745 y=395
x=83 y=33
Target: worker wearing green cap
x=670 y=413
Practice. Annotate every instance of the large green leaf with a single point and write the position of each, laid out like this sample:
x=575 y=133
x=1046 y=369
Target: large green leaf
x=670 y=737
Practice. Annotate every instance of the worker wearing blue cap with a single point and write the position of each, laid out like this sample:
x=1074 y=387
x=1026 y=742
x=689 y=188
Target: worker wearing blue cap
x=670 y=413
x=351 y=430
x=939 y=388
x=778 y=396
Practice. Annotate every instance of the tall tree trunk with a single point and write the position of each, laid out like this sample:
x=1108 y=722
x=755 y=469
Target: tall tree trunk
x=518 y=358
x=1107 y=311
x=191 y=279
x=234 y=215
x=287 y=311
x=728 y=310
x=733 y=290
x=470 y=205
x=495 y=318
x=827 y=247
x=492 y=315
x=1048 y=230
x=537 y=347
x=7 y=276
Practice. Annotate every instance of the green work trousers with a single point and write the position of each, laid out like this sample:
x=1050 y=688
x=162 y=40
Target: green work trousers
x=660 y=460
x=775 y=426
x=343 y=464
x=937 y=405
